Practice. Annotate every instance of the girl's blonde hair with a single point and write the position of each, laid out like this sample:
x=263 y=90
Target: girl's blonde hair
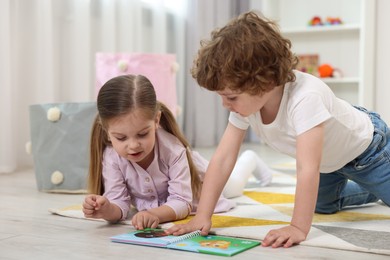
x=247 y=55
x=120 y=96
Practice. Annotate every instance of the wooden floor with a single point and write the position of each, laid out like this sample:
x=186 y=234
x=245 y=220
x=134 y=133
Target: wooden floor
x=29 y=231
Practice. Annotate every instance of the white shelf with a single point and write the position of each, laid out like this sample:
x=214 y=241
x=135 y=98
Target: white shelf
x=322 y=29
x=343 y=80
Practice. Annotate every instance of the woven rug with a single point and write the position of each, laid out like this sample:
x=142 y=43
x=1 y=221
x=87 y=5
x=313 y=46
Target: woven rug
x=364 y=229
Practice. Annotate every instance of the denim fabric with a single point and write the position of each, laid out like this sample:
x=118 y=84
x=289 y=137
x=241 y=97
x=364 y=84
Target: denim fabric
x=363 y=180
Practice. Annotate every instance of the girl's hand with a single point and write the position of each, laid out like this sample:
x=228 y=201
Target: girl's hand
x=144 y=219
x=285 y=236
x=197 y=223
x=95 y=206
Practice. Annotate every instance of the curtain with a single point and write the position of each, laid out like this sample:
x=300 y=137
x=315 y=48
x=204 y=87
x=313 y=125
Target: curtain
x=47 y=53
x=205 y=118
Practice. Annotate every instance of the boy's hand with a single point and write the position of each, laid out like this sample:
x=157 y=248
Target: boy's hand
x=95 y=206
x=197 y=223
x=144 y=219
x=285 y=236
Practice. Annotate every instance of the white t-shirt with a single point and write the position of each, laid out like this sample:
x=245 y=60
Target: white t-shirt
x=306 y=103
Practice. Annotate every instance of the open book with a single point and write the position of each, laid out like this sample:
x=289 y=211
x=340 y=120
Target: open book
x=194 y=242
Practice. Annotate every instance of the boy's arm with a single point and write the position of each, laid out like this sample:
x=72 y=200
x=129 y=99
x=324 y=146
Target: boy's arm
x=309 y=152
x=217 y=174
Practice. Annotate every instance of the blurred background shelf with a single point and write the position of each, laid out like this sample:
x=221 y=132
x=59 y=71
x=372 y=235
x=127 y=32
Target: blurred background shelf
x=348 y=47
x=322 y=29
x=346 y=80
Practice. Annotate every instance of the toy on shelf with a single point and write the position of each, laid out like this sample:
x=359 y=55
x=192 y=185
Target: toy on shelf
x=333 y=21
x=308 y=63
x=327 y=71
x=317 y=21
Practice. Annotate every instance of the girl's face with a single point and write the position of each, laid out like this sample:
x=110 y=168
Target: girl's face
x=242 y=102
x=133 y=136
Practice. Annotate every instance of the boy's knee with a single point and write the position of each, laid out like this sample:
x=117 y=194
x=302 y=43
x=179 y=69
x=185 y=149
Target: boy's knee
x=327 y=208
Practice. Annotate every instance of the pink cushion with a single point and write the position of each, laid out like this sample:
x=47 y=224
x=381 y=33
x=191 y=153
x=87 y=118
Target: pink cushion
x=160 y=69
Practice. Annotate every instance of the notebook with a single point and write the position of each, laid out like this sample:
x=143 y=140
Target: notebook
x=194 y=242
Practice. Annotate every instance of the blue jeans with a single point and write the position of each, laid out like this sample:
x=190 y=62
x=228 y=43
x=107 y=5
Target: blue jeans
x=363 y=180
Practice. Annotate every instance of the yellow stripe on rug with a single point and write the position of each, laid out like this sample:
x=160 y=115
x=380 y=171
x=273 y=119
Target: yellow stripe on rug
x=270 y=197
x=220 y=221
x=341 y=216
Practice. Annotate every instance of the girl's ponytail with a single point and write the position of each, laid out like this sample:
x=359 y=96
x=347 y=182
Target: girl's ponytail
x=168 y=122
x=98 y=142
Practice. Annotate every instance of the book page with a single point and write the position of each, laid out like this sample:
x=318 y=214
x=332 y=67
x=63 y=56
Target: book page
x=147 y=237
x=216 y=245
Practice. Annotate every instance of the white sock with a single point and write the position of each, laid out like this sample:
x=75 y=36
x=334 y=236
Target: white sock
x=262 y=172
x=245 y=166
x=248 y=163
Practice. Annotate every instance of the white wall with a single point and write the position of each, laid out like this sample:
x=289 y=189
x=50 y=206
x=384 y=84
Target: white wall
x=382 y=95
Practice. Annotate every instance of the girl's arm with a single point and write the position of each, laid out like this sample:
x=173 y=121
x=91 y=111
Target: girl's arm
x=152 y=217
x=309 y=152
x=164 y=213
x=96 y=206
x=217 y=174
x=115 y=186
x=179 y=200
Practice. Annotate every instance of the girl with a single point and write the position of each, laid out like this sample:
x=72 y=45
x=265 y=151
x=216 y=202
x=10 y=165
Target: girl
x=139 y=157
x=342 y=151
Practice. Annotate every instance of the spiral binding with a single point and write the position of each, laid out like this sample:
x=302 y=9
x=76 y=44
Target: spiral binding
x=184 y=237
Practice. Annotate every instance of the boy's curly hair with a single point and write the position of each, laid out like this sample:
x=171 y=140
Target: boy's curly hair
x=247 y=55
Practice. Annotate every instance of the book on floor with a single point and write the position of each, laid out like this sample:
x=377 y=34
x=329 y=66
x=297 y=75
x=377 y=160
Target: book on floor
x=194 y=242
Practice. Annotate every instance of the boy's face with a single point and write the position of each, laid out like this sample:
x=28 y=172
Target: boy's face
x=133 y=136
x=242 y=102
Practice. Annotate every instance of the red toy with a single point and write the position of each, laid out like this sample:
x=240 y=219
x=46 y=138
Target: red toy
x=325 y=71
x=315 y=21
